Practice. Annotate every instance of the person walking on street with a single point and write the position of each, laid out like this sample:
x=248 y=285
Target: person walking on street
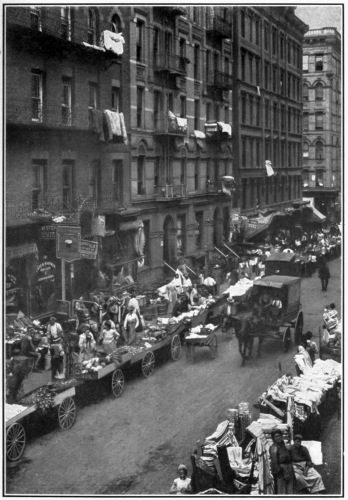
x=324 y=275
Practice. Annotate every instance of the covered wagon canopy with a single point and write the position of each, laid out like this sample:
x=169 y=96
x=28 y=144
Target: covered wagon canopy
x=281 y=257
x=276 y=281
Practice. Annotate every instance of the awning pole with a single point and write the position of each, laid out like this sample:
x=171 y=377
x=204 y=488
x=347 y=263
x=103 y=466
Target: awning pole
x=165 y=263
x=234 y=253
x=220 y=252
x=190 y=270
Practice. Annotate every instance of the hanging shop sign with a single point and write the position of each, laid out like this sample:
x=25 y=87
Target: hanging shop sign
x=68 y=243
x=89 y=249
x=98 y=226
x=21 y=251
x=235 y=216
x=48 y=232
x=130 y=226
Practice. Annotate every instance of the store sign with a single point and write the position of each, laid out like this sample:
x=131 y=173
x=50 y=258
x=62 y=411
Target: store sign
x=46 y=271
x=89 y=249
x=129 y=226
x=235 y=215
x=98 y=226
x=68 y=243
x=48 y=232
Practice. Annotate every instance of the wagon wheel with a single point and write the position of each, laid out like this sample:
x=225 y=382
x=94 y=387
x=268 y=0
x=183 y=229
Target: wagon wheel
x=66 y=413
x=117 y=383
x=15 y=441
x=175 y=348
x=287 y=340
x=214 y=347
x=148 y=364
x=298 y=328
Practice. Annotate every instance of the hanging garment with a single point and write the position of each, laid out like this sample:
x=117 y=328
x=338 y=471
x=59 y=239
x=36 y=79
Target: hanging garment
x=123 y=129
x=112 y=41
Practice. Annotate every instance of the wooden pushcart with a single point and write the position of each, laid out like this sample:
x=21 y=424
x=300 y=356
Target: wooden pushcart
x=15 y=415
x=206 y=338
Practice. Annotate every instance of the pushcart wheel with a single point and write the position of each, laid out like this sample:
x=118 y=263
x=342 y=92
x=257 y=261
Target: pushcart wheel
x=298 y=328
x=214 y=347
x=287 y=340
x=175 y=348
x=15 y=441
x=67 y=413
x=117 y=383
x=148 y=364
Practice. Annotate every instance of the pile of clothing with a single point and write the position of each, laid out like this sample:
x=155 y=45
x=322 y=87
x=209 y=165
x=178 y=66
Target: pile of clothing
x=240 y=288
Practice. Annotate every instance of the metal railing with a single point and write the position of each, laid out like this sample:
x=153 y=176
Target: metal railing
x=170 y=62
x=220 y=26
x=220 y=80
x=170 y=191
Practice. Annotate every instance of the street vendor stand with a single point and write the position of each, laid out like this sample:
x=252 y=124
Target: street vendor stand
x=127 y=357
x=205 y=338
x=15 y=415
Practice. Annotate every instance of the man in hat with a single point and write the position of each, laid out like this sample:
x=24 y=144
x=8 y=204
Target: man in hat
x=131 y=323
x=29 y=350
x=186 y=281
x=227 y=313
x=181 y=305
x=218 y=277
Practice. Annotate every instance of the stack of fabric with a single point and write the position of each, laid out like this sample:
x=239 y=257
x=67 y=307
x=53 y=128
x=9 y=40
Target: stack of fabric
x=239 y=289
x=223 y=436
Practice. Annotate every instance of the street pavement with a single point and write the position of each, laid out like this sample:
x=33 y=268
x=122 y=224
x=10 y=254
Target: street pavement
x=133 y=445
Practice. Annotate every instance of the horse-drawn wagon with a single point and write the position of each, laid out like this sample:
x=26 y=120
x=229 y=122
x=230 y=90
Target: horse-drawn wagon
x=271 y=310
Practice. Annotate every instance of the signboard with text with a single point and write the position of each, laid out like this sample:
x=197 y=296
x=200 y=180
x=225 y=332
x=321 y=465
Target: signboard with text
x=89 y=249
x=68 y=243
x=48 y=232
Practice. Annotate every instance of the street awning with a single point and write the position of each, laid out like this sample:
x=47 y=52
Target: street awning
x=254 y=226
x=21 y=251
x=312 y=214
x=319 y=215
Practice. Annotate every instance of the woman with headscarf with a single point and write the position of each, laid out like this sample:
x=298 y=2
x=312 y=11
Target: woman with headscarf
x=281 y=467
x=303 y=360
x=182 y=484
x=131 y=323
x=308 y=480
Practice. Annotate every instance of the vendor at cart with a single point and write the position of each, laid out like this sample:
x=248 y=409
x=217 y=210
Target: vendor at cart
x=131 y=323
x=86 y=344
x=109 y=337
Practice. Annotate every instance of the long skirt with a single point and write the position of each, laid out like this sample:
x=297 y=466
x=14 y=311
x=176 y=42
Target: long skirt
x=312 y=481
x=283 y=487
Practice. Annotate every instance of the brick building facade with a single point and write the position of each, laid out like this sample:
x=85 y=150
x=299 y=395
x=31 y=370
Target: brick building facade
x=164 y=186
x=322 y=120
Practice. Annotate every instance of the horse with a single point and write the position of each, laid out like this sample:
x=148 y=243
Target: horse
x=245 y=332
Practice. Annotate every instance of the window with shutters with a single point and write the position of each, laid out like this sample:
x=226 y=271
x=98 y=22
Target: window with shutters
x=68 y=184
x=66 y=102
x=115 y=99
x=319 y=121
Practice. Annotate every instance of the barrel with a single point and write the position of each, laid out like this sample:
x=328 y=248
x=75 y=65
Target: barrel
x=162 y=308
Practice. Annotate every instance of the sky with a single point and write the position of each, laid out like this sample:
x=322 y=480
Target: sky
x=321 y=16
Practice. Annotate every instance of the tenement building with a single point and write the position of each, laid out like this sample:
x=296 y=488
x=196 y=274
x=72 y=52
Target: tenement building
x=132 y=135
x=322 y=120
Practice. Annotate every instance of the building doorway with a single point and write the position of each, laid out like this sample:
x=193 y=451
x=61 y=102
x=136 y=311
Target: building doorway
x=169 y=240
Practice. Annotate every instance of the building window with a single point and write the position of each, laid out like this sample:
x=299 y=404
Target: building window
x=227 y=115
x=65 y=22
x=116 y=24
x=35 y=18
x=157 y=109
x=251 y=110
x=319 y=92
x=197 y=114
x=243 y=56
x=319 y=178
x=267 y=151
x=275 y=116
x=118 y=181
x=196 y=62
x=92 y=25
x=267 y=114
x=95 y=180
x=243 y=152
x=266 y=36
x=196 y=14
x=274 y=42
x=207 y=65
x=208 y=111
x=140 y=41
x=282 y=82
x=183 y=163
x=319 y=63
x=68 y=184
x=182 y=45
x=36 y=96
x=66 y=101
x=197 y=170
x=305 y=178
x=141 y=175
x=181 y=235
x=258 y=105
x=258 y=154
x=242 y=23
x=282 y=46
x=244 y=193
x=275 y=81
x=305 y=150
x=140 y=99
x=199 y=230
x=266 y=75
x=305 y=121
x=305 y=92
x=182 y=106
x=243 y=108
x=305 y=64
x=251 y=76
x=282 y=153
x=282 y=116
x=319 y=121
x=217 y=112
x=257 y=31
x=93 y=95
x=319 y=150
x=115 y=99
x=257 y=71
x=39 y=191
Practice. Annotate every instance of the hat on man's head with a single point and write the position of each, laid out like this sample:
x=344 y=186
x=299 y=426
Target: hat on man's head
x=217 y=266
x=31 y=331
x=52 y=318
x=230 y=300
